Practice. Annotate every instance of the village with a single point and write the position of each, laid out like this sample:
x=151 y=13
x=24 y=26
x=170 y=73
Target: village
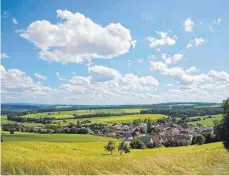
x=151 y=133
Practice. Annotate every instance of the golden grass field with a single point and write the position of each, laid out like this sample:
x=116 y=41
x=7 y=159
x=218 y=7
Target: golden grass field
x=84 y=154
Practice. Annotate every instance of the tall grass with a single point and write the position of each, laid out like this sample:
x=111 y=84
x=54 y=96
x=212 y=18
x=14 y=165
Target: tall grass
x=38 y=157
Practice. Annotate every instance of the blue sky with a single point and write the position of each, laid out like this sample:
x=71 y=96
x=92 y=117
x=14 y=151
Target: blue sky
x=114 y=52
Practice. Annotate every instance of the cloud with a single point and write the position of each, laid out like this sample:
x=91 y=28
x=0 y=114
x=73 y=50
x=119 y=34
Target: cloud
x=5 y=14
x=171 y=59
x=14 y=82
x=191 y=69
x=185 y=76
x=102 y=74
x=76 y=38
x=14 y=21
x=182 y=75
x=190 y=44
x=59 y=77
x=40 y=76
x=196 y=42
x=188 y=25
x=219 y=21
x=199 y=41
x=80 y=80
x=4 y=56
x=133 y=82
x=165 y=40
x=214 y=24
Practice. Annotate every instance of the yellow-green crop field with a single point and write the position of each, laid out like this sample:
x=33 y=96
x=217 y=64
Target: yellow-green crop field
x=62 y=154
x=121 y=119
x=69 y=114
x=209 y=121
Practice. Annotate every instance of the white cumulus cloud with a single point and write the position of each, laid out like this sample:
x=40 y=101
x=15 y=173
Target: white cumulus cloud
x=199 y=41
x=188 y=25
x=102 y=74
x=76 y=38
x=164 y=40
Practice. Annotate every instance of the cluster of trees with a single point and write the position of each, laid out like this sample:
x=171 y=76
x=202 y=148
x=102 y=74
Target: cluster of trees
x=102 y=114
x=184 y=111
x=122 y=147
x=16 y=118
x=16 y=127
x=222 y=128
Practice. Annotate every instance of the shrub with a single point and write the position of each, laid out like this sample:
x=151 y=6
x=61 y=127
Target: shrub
x=11 y=131
x=150 y=145
x=123 y=147
x=110 y=147
x=209 y=137
x=198 y=140
x=137 y=144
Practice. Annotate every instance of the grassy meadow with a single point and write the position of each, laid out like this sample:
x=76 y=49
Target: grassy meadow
x=69 y=114
x=25 y=153
x=209 y=121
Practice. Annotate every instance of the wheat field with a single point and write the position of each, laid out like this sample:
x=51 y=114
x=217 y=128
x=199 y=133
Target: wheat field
x=84 y=154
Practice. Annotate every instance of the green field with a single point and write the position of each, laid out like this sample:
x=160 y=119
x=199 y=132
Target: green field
x=69 y=114
x=208 y=122
x=19 y=136
x=4 y=119
x=121 y=119
x=28 y=154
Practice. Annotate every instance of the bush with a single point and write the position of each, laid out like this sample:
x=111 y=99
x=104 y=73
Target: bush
x=198 y=140
x=123 y=147
x=137 y=144
x=12 y=131
x=176 y=143
x=150 y=145
x=209 y=137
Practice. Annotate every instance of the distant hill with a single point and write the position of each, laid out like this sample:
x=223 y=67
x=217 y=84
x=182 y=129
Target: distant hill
x=11 y=107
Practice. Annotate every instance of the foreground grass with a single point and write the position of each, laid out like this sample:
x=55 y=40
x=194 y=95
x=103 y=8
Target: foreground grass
x=69 y=114
x=40 y=155
x=208 y=122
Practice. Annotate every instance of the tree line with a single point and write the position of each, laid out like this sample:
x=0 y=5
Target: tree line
x=184 y=111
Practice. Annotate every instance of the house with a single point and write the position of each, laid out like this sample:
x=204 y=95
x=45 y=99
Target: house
x=118 y=127
x=137 y=133
x=147 y=139
x=127 y=136
x=156 y=139
x=172 y=130
x=205 y=129
x=184 y=132
x=175 y=137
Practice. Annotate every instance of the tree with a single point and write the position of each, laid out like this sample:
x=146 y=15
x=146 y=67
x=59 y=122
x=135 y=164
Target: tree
x=12 y=131
x=149 y=126
x=222 y=128
x=198 y=139
x=136 y=143
x=209 y=137
x=123 y=147
x=110 y=147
